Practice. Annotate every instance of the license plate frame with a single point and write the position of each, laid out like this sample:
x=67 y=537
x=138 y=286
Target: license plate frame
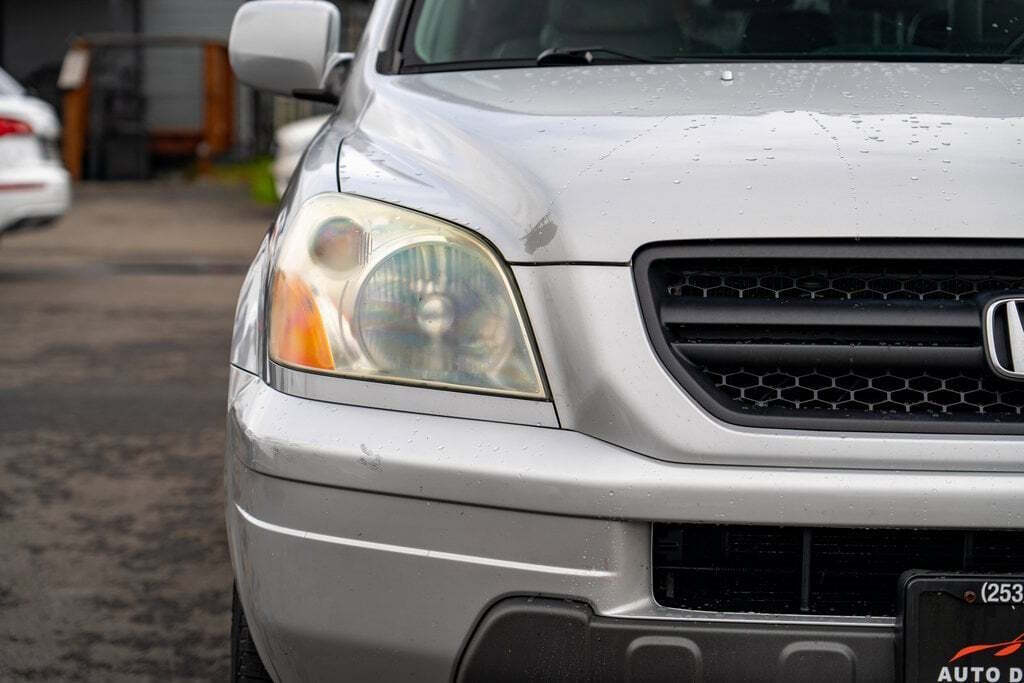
x=955 y=621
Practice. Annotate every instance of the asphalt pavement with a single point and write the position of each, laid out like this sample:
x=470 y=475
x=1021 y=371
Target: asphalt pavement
x=114 y=334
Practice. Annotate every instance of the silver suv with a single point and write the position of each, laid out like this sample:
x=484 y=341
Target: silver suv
x=649 y=340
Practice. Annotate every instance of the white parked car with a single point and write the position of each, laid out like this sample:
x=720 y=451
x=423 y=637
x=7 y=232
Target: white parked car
x=291 y=141
x=35 y=189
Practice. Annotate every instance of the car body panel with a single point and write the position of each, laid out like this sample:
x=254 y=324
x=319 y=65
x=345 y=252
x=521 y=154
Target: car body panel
x=247 y=340
x=291 y=141
x=317 y=171
x=561 y=159
x=33 y=195
x=558 y=471
x=33 y=111
x=372 y=541
x=327 y=575
x=371 y=525
x=610 y=384
x=35 y=189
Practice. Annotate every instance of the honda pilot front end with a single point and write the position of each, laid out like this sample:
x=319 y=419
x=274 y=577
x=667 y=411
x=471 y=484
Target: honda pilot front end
x=665 y=340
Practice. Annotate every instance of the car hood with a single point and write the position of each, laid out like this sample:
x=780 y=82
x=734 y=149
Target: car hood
x=587 y=164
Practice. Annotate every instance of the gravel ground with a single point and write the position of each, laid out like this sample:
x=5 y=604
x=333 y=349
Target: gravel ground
x=113 y=373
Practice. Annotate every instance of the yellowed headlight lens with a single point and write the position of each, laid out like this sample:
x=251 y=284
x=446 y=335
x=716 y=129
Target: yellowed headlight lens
x=369 y=290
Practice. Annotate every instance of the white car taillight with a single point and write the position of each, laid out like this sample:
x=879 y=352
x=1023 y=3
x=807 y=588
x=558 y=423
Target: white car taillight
x=14 y=127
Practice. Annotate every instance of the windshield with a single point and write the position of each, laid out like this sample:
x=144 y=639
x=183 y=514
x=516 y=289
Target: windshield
x=9 y=86
x=465 y=31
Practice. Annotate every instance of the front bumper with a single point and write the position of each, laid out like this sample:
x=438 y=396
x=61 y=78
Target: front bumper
x=398 y=588
x=374 y=542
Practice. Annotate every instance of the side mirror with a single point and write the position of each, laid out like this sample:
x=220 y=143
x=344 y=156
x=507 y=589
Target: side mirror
x=285 y=46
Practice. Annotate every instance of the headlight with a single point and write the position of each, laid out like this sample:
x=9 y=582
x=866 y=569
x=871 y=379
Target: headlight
x=368 y=290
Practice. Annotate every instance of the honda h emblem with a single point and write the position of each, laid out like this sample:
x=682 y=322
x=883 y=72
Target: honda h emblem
x=1004 y=337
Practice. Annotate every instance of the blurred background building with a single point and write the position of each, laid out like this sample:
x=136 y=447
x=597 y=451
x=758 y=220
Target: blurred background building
x=156 y=74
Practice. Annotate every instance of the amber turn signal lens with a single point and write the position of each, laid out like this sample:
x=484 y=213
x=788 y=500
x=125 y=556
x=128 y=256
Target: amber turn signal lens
x=297 y=334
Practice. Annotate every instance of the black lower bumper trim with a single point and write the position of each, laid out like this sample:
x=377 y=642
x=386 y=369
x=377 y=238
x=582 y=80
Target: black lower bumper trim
x=559 y=640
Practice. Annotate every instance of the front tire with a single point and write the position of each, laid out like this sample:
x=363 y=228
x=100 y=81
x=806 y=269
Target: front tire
x=246 y=665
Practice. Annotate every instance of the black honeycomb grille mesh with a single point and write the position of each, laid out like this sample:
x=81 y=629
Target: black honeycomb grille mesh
x=894 y=391
x=823 y=341
x=845 y=281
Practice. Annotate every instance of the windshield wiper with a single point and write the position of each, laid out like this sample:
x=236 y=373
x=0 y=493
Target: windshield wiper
x=576 y=56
